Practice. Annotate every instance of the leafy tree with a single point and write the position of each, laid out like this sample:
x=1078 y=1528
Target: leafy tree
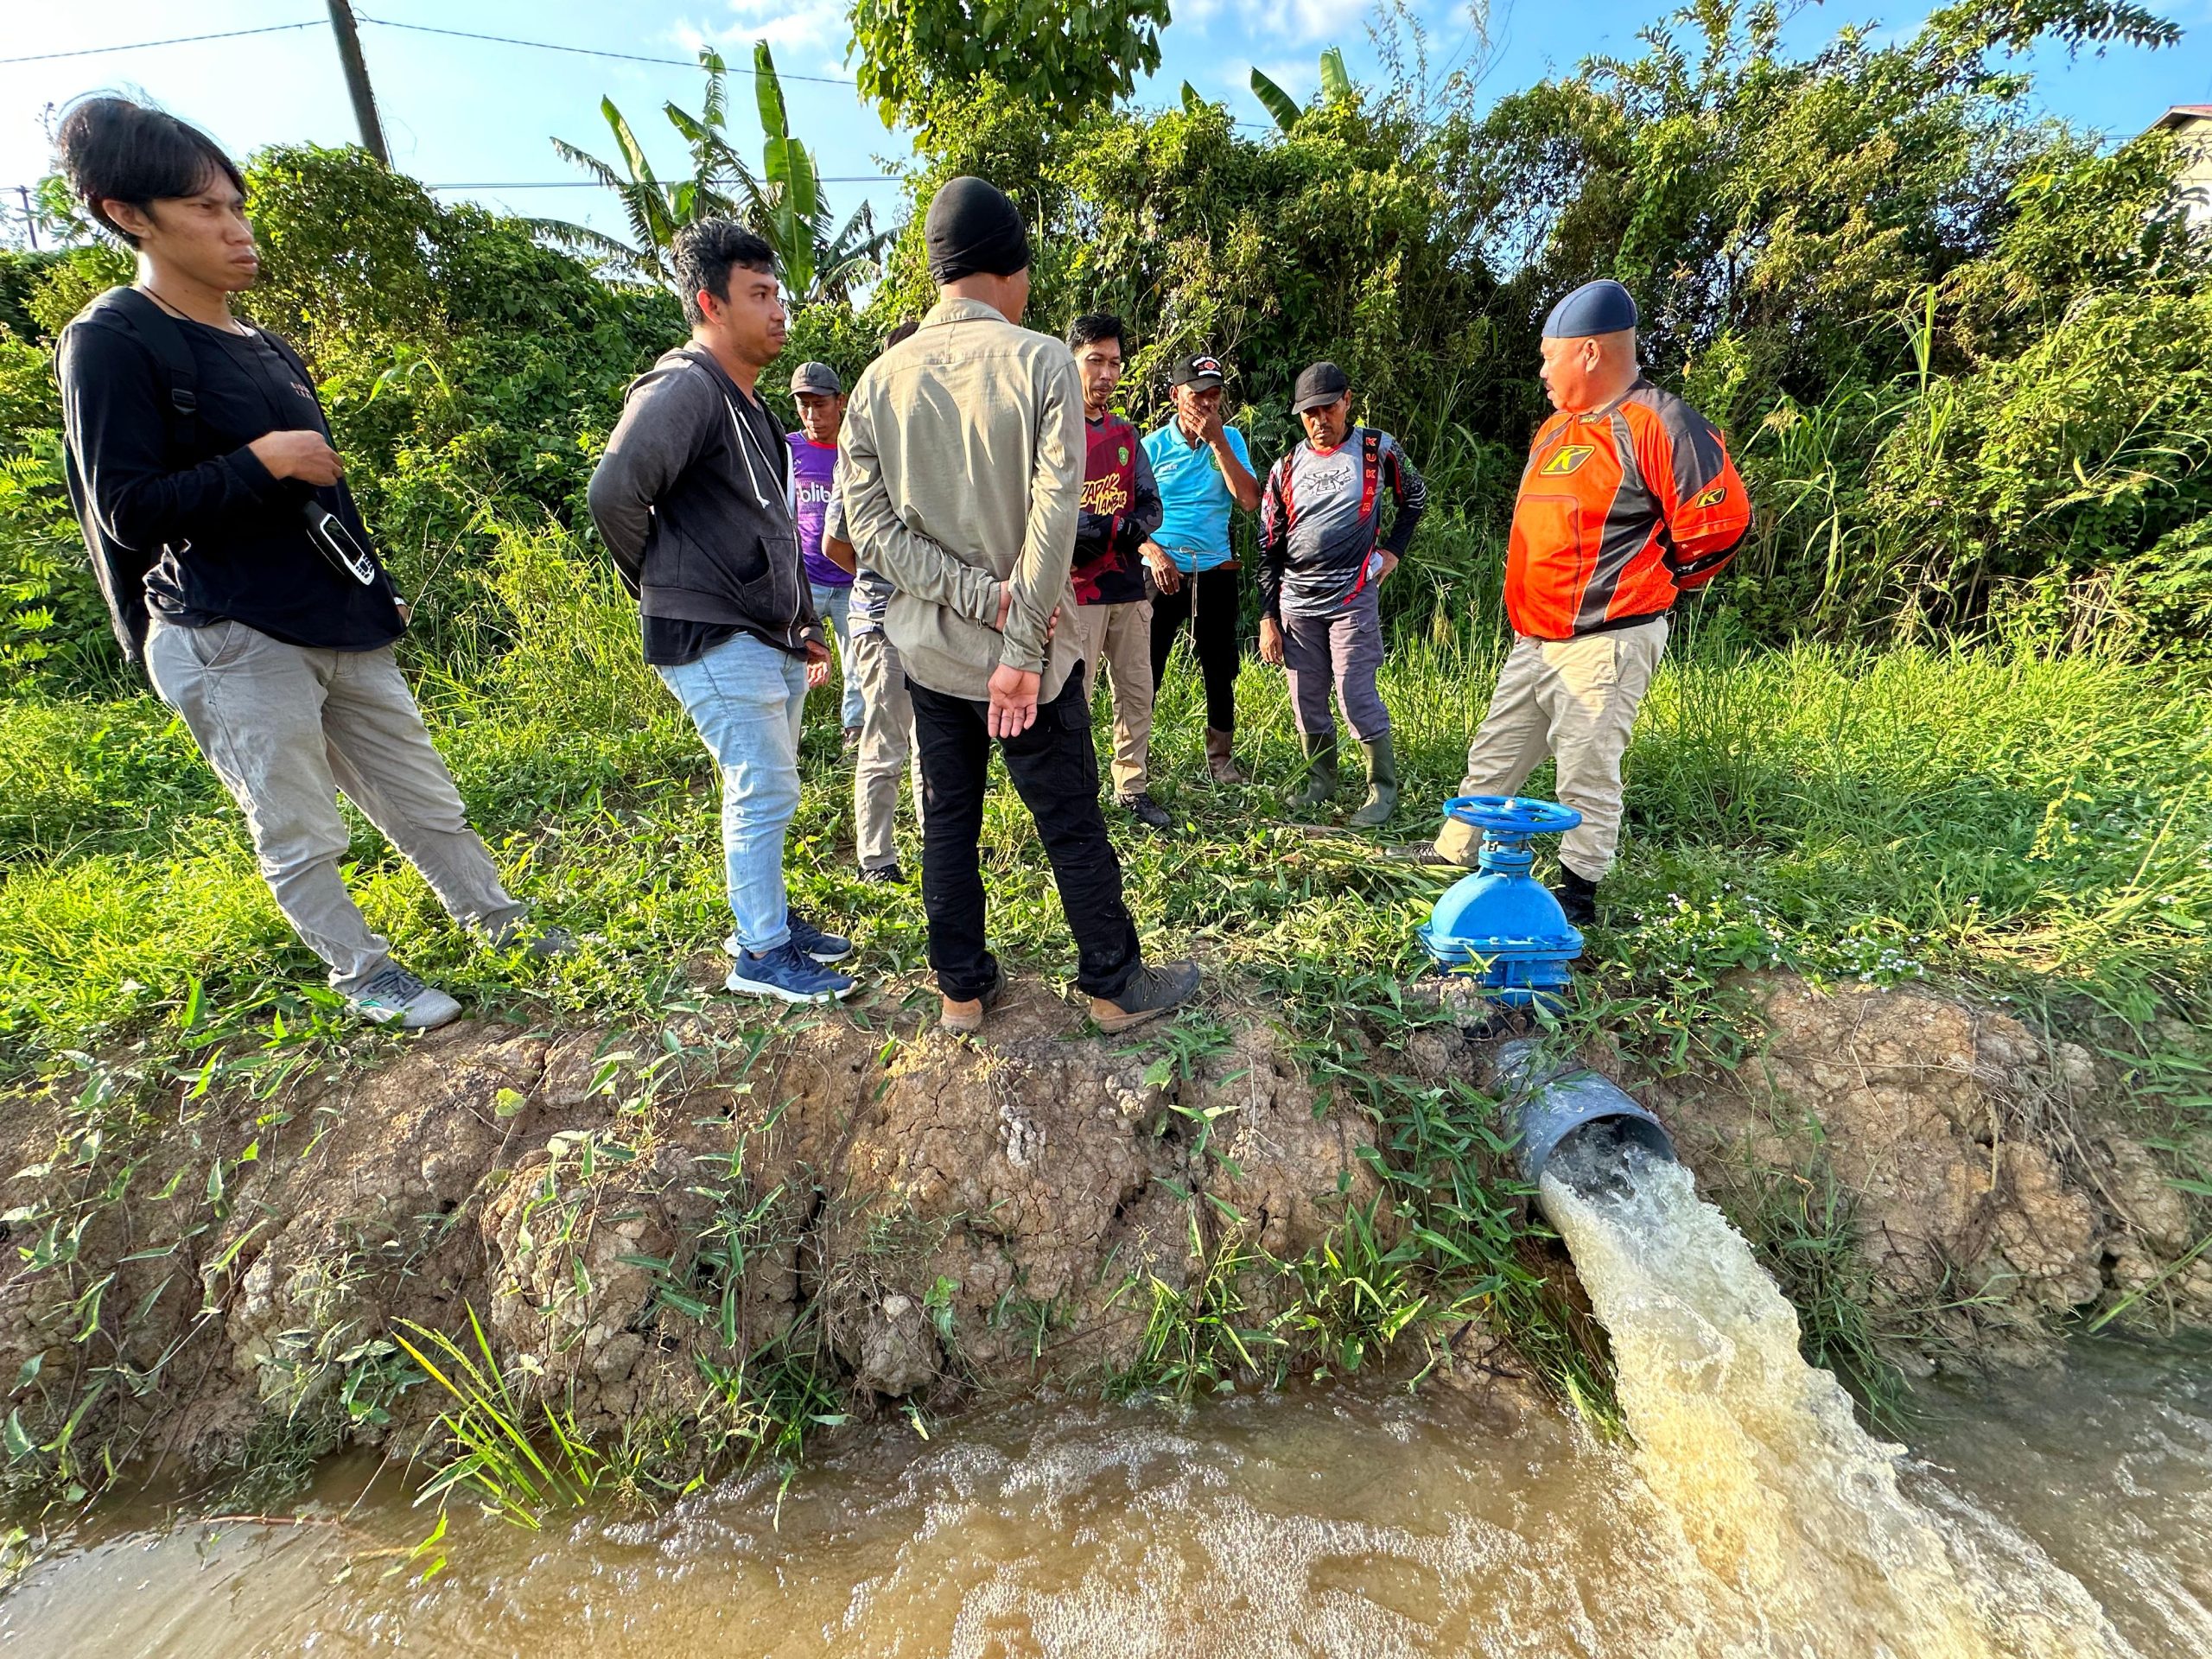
x=1779 y=210
x=20 y=272
x=1065 y=57
x=721 y=186
x=783 y=203
x=791 y=213
x=1336 y=82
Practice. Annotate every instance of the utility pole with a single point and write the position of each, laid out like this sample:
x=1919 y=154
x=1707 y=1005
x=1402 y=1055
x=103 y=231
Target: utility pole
x=30 y=220
x=357 y=80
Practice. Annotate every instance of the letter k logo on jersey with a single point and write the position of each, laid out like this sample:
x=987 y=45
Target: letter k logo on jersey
x=1570 y=456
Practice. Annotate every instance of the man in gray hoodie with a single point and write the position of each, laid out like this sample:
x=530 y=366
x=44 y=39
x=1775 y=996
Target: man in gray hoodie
x=692 y=499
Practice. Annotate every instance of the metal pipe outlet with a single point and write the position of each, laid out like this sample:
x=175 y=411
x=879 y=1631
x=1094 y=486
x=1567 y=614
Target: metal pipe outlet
x=1559 y=1112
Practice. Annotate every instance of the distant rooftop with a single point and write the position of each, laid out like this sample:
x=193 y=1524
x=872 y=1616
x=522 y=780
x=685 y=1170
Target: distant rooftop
x=2191 y=124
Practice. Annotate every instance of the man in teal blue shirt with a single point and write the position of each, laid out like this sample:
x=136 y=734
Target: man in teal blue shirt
x=1202 y=469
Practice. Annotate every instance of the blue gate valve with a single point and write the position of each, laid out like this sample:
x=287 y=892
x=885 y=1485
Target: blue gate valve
x=1501 y=921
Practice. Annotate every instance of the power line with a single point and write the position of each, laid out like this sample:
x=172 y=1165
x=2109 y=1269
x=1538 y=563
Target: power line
x=460 y=35
x=586 y=51
x=175 y=40
x=556 y=184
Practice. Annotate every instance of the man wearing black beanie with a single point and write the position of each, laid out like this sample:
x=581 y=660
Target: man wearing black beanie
x=974 y=228
x=962 y=457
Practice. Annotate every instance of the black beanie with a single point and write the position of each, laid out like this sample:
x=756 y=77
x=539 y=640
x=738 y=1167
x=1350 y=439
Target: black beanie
x=972 y=227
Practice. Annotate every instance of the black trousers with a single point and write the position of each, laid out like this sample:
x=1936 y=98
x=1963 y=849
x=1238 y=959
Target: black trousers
x=1055 y=771
x=1211 y=601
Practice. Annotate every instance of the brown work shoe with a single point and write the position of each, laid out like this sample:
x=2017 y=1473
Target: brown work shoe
x=967 y=1018
x=1150 y=993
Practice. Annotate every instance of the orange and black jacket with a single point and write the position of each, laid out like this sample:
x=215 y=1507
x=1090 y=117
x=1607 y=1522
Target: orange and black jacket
x=1620 y=510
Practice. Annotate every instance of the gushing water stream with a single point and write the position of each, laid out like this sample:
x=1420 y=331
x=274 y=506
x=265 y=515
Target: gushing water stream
x=1755 y=1521
x=1757 y=1456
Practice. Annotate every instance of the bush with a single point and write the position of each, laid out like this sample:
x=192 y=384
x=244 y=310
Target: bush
x=1959 y=350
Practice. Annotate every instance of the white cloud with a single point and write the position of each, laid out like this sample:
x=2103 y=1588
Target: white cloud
x=1300 y=22
x=1264 y=23
x=813 y=28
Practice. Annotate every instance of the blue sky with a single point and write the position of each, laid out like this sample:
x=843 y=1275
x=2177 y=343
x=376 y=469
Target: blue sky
x=472 y=113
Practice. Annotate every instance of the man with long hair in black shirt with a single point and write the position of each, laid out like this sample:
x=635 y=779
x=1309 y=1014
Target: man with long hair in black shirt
x=236 y=566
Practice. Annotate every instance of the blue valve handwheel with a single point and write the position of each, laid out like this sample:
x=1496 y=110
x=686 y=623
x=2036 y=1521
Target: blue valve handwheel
x=1511 y=815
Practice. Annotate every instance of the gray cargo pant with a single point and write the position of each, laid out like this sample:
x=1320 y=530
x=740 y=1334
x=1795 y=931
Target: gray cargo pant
x=1344 y=646
x=887 y=746
x=285 y=728
x=1574 y=699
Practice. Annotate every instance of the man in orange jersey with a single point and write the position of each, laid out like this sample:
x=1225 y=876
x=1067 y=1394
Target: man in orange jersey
x=1628 y=501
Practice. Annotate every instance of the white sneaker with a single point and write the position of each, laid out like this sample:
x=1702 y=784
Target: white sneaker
x=394 y=996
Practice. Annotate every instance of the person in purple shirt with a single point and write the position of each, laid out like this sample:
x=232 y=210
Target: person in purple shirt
x=821 y=398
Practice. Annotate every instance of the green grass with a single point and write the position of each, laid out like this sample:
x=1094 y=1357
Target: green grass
x=2039 y=826
x=2035 y=827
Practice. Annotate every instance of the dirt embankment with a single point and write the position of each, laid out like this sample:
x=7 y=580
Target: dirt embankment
x=919 y=1217
x=1992 y=1178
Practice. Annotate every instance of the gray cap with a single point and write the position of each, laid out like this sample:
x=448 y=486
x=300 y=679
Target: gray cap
x=1319 y=385
x=817 y=377
x=1599 y=308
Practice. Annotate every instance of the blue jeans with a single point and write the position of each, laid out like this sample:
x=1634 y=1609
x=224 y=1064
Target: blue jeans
x=746 y=700
x=833 y=604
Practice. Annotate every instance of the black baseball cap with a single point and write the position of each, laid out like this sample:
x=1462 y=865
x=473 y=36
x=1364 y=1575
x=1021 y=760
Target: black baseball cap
x=1319 y=385
x=1202 y=372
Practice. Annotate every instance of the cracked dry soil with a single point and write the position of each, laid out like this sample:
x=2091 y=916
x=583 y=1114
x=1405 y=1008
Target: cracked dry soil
x=949 y=1218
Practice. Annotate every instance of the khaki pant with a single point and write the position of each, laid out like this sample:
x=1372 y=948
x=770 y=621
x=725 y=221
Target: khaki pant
x=1574 y=699
x=886 y=747
x=285 y=728
x=1116 y=642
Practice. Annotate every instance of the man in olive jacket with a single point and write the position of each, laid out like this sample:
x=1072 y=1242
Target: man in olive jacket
x=962 y=459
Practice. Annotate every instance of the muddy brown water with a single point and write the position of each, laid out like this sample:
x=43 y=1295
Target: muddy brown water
x=1345 y=1520
x=2061 y=1517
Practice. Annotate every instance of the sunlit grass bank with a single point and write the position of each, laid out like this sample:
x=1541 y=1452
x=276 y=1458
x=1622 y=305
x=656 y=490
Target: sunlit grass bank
x=2043 y=827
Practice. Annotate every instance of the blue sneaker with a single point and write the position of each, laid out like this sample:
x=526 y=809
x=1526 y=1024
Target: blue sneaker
x=808 y=939
x=812 y=940
x=787 y=973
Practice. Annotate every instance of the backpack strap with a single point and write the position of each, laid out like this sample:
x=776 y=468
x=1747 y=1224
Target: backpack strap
x=122 y=571
x=1371 y=469
x=1280 y=496
x=157 y=331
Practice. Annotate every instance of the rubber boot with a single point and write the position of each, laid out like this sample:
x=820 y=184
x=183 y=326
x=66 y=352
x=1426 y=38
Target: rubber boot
x=1320 y=771
x=1382 y=785
x=1578 y=898
x=1219 y=760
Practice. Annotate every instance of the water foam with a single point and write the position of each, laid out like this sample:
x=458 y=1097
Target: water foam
x=1759 y=1460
